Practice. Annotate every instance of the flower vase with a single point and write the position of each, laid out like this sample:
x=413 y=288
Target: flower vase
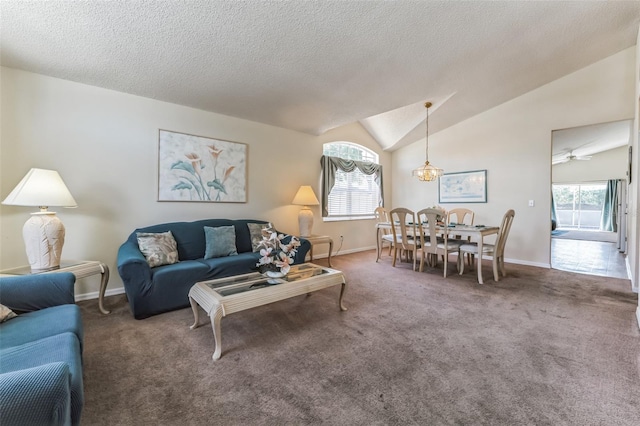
x=274 y=274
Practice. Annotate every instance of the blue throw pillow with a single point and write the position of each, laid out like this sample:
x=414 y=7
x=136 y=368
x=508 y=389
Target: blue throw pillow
x=220 y=241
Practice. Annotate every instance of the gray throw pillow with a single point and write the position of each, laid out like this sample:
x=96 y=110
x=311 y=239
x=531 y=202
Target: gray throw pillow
x=255 y=229
x=158 y=248
x=220 y=241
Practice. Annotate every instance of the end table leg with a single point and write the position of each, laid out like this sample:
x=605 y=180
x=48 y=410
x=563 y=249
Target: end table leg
x=330 y=250
x=104 y=279
x=342 y=290
x=196 y=313
x=217 y=337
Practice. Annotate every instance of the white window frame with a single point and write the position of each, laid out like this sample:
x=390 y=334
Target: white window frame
x=365 y=154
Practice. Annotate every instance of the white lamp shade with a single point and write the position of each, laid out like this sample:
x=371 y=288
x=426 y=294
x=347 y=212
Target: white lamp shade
x=305 y=197
x=41 y=188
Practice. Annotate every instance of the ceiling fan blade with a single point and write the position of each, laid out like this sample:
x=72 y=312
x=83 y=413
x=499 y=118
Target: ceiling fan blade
x=583 y=158
x=561 y=161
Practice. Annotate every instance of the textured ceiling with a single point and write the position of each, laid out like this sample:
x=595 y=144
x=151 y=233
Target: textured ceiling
x=315 y=65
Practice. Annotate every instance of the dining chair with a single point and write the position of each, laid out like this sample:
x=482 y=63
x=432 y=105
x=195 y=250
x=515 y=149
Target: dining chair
x=403 y=230
x=496 y=250
x=431 y=244
x=382 y=216
x=461 y=216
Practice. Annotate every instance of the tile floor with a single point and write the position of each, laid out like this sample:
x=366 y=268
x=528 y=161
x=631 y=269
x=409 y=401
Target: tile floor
x=588 y=257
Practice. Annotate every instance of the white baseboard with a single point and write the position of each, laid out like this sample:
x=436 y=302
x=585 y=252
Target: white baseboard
x=95 y=294
x=527 y=263
x=515 y=261
x=634 y=281
x=120 y=290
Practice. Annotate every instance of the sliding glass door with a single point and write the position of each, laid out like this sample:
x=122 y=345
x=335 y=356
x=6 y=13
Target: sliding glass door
x=579 y=206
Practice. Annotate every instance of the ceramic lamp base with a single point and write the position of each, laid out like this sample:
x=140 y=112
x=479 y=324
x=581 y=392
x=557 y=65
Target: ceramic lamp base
x=305 y=221
x=43 y=237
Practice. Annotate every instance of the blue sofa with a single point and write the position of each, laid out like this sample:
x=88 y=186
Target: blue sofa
x=151 y=291
x=40 y=351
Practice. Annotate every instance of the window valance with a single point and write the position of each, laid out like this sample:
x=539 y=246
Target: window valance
x=331 y=164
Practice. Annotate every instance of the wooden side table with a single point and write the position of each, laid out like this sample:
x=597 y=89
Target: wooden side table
x=320 y=239
x=79 y=268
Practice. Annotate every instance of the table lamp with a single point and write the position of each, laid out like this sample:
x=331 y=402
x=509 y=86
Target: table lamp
x=43 y=233
x=305 y=197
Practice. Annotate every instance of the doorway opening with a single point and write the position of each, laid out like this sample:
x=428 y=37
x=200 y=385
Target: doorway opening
x=589 y=199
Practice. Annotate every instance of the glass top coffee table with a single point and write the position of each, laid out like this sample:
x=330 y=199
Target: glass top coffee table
x=224 y=296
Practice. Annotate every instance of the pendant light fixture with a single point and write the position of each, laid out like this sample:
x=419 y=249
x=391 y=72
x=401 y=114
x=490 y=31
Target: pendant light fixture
x=427 y=172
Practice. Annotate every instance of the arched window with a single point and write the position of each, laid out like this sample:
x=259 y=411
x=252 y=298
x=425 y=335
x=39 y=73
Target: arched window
x=352 y=181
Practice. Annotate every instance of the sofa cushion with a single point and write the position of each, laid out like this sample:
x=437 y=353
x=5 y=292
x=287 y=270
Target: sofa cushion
x=6 y=314
x=158 y=248
x=220 y=241
x=222 y=267
x=32 y=326
x=63 y=347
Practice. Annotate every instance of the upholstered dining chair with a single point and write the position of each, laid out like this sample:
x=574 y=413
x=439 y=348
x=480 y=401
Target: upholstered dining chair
x=431 y=244
x=461 y=216
x=382 y=216
x=496 y=250
x=403 y=230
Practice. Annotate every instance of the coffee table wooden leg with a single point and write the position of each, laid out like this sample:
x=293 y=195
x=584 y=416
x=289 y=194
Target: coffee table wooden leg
x=196 y=314
x=342 y=290
x=216 y=318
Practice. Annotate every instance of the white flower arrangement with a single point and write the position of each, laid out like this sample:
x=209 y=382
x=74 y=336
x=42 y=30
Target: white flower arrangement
x=275 y=255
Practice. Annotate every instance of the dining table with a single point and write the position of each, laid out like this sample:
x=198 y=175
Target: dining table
x=476 y=232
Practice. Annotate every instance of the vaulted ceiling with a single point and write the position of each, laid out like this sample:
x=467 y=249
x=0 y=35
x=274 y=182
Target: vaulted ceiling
x=315 y=65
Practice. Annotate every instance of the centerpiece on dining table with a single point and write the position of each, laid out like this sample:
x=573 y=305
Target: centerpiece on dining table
x=276 y=257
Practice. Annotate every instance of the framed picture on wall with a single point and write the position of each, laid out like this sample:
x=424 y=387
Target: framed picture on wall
x=463 y=187
x=201 y=169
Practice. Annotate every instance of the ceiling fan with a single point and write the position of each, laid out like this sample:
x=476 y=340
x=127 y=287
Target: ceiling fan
x=571 y=157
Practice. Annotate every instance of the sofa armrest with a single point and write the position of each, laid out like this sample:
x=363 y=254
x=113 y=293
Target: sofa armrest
x=304 y=248
x=26 y=293
x=36 y=396
x=132 y=266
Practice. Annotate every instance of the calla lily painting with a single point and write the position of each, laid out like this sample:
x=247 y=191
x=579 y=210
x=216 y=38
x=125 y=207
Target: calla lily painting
x=197 y=168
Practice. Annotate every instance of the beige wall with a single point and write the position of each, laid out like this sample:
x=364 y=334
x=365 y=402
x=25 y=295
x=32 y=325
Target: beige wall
x=611 y=164
x=633 y=244
x=104 y=145
x=513 y=142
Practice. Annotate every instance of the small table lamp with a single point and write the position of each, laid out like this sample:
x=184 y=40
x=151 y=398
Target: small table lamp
x=43 y=233
x=305 y=197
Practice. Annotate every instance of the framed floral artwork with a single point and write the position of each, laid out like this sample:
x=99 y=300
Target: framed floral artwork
x=201 y=169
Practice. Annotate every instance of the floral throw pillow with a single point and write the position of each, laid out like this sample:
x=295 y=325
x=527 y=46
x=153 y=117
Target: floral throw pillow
x=158 y=248
x=255 y=229
x=6 y=314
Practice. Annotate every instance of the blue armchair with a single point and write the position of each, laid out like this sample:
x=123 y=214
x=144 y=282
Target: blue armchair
x=41 y=351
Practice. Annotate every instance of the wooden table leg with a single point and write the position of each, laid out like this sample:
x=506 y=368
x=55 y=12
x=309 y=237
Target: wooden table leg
x=104 y=279
x=196 y=315
x=216 y=318
x=342 y=290
x=479 y=267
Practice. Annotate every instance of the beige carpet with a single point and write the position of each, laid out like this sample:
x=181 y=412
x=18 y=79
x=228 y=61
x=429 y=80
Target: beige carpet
x=541 y=347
